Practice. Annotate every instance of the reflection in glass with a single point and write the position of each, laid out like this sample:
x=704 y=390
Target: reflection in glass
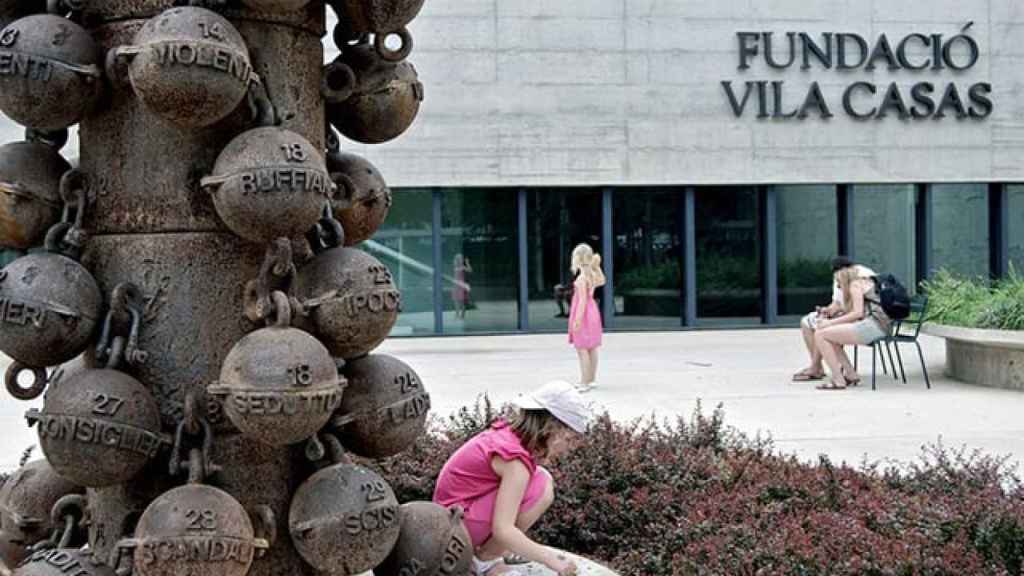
x=960 y=228
x=883 y=229
x=557 y=220
x=728 y=249
x=808 y=239
x=648 y=258
x=479 y=268
x=1015 y=209
x=404 y=243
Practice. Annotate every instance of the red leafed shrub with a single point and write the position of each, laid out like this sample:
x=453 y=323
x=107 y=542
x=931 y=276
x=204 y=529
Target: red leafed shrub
x=695 y=497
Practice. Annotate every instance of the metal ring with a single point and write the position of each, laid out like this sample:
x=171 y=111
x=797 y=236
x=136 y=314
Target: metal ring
x=343 y=35
x=380 y=45
x=337 y=82
x=70 y=505
x=332 y=140
x=254 y=303
x=15 y=389
x=282 y=309
x=72 y=183
x=53 y=138
x=113 y=66
x=315 y=450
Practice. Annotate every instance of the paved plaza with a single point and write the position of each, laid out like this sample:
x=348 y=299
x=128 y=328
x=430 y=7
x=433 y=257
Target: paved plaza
x=748 y=372
x=667 y=373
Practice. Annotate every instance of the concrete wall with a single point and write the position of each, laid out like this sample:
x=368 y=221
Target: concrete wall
x=628 y=91
x=538 y=92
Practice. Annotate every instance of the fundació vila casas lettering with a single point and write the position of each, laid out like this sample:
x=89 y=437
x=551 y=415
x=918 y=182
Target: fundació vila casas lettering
x=913 y=55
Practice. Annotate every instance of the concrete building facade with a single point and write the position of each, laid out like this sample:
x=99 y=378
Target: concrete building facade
x=717 y=154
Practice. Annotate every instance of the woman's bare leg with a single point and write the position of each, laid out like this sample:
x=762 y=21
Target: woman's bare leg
x=593 y=365
x=815 y=366
x=830 y=342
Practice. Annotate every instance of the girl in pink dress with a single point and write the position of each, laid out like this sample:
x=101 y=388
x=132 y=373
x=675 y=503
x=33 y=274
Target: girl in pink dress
x=584 y=318
x=495 y=478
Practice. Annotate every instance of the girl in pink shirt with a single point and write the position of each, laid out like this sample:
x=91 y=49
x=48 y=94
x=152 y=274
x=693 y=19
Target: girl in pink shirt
x=495 y=478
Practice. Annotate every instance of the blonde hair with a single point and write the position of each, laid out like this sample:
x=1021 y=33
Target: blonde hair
x=846 y=277
x=587 y=263
x=535 y=429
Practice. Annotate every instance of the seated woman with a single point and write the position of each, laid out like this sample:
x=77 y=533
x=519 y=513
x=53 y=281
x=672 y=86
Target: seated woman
x=495 y=478
x=809 y=323
x=863 y=321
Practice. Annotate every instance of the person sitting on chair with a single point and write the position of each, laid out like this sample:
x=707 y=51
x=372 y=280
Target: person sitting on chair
x=809 y=323
x=863 y=321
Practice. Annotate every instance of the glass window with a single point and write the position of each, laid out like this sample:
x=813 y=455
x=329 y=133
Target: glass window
x=405 y=244
x=808 y=239
x=479 y=264
x=648 y=258
x=1015 y=209
x=883 y=229
x=728 y=255
x=960 y=228
x=557 y=220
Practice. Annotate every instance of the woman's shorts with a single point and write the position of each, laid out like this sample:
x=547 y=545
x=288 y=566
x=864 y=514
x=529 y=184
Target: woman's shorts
x=868 y=330
x=480 y=512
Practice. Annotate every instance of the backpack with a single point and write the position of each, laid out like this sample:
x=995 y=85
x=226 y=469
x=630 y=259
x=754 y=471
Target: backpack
x=892 y=296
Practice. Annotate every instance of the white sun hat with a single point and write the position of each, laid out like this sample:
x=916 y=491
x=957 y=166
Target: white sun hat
x=563 y=400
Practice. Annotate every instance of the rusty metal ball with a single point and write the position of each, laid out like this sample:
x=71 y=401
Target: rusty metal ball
x=384 y=101
x=279 y=385
x=26 y=500
x=385 y=406
x=363 y=199
x=433 y=542
x=30 y=202
x=195 y=529
x=49 y=77
x=269 y=183
x=62 y=562
x=190 y=66
x=344 y=520
x=379 y=16
x=98 y=427
x=356 y=300
x=49 y=307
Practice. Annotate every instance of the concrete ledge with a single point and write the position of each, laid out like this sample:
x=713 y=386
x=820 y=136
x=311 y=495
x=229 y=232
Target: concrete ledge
x=992 y=358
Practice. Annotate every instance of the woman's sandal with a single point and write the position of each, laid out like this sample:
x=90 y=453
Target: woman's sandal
x=830 y=386
x=805 y=376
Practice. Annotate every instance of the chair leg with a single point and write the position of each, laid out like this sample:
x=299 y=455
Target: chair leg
x=892 y=363
x=899 y=357
x=855 y=347
x=881 y=357
x=872 y=367
x=924 y=369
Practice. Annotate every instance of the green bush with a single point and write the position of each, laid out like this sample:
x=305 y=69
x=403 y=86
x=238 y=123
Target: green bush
x=694 y=497
x=957 y=300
